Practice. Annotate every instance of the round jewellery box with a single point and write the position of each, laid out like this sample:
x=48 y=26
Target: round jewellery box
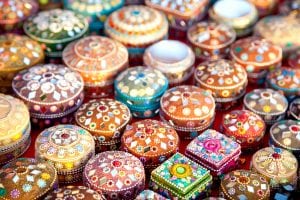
x=68 y=148
x=115 y=174
x=71 y=192
x=52 y=93
x=27 y=178
x=239 y=14
x=246 y=127
x=98 y=60
x=294 y=109
x=141 y=88
x=173 y=58
x=265 y=7
x=181 y=14
x=14 y=12
x=137 y=27
x=269 y=104
x=281 y=30
x=286 y=80
x=276 y=165
x=96 y=11
x=14 y=128
x=211 y=40
x=49 y=4
x=257 y=56
x=294 y=59
x=244 y=184
x=105 y=119
x=151 y=141
x=188 y=109
x=286 y=134
x=226 y=80
x=55 y=29
x=17 y=53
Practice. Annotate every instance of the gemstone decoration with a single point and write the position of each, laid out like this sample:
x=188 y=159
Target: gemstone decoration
x=278 y=165
x=116 y=174
x=151 y=141
x=22 y=178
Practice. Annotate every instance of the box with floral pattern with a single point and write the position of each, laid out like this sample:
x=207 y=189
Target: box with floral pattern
x=151 y=141
x=215 y=151
x=181 y=178
x=51 y=92
x=68 y=148
x=115 y=174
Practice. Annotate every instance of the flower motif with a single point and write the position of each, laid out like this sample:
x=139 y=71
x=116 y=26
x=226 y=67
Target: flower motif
x=27 y=187
x=15 y=193
x=41 y=183
x=45 y=176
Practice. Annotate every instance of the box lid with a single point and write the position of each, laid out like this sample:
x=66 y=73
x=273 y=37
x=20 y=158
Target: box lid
x=213 y=148
x=180 y=174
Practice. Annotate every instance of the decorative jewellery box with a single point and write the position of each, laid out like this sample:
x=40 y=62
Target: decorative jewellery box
x=14 y=12
x=115 y=174
x=68 y=148
x=286 y=135
x=74 y=193
x=105 y=119
x=149 y=195
x=55 y=29
x=246 y=127
x=181 y=178
x=294 y=109
x=141 y=88
x=265 y=7
x=137 y=27
x=281 y=30
x=276 y=165
x=99 y=60
x=226 y=80
x=240 y=15
x=14 y=128
x=257 y=56
x=17 y=53
x=49 y=4
x=294 y=59
x=188 y=109
x=215 y=151
x=173 y=58
x=211 y=40
x=181 y=14
x=27 y=178
x=243 y=185
x=151 y=141
x=286 y=80
x=269 y=104
x=96 y=11
x=52 y=93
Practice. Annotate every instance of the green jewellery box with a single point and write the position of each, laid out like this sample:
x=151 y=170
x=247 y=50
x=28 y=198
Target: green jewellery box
x=181 y=178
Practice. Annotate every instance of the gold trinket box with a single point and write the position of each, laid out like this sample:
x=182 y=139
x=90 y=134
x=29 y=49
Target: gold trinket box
x=211 y=40
x=68 y=148
x=226 y=80
x=239 y=14
x=17 y=53
x=14 y=128
x=99 y=60
x=173 y=58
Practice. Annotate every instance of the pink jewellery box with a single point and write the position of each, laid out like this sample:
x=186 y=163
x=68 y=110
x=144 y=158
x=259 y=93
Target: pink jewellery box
x=214 y=151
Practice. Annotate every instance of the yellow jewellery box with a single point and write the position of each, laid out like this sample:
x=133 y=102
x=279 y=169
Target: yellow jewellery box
x=14 y=128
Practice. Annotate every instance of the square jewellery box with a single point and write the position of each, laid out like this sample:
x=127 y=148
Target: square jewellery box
x=215 y=151
x=181 y=178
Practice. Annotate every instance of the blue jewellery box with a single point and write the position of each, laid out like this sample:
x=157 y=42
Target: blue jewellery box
x=141 y=88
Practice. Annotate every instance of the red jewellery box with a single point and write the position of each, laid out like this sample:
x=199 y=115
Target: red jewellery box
x=52 y=93
x=214 y=151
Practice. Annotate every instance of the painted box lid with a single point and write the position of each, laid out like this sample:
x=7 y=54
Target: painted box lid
x=213 y=149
